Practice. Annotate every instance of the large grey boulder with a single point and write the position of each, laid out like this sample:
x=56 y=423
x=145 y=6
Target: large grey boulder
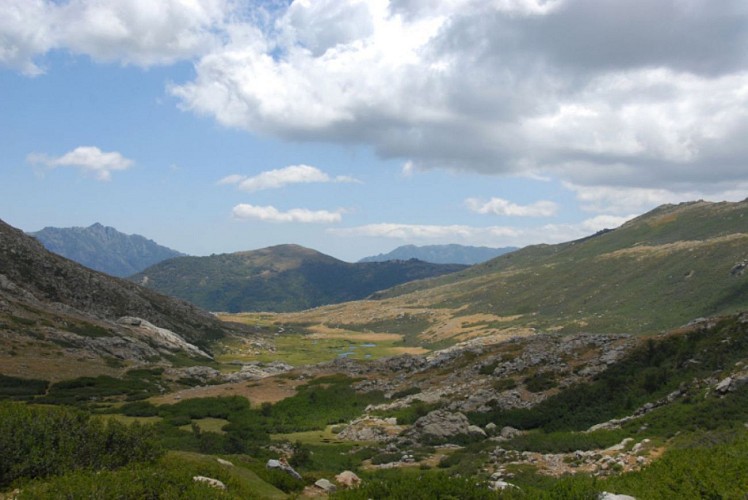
x=612 y=496
x=440 y=425
x=325 y=485
x=282 y=465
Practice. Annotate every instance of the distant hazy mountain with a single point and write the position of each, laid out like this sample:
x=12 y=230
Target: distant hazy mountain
x=104 y=248
x=279 y=278
x=442 y=254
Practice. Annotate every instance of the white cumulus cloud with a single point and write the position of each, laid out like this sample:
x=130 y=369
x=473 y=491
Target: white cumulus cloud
x=272 y=214
x=273 y=179
x=450 y=233
x=144 y=33
x=495 y=236
x=627 y=200
x=88 y=159
x=651 y=95
x=500 y=206
x=502 y=87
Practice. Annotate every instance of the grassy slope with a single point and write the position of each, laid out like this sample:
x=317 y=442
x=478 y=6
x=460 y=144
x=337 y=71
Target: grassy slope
x=657 y=271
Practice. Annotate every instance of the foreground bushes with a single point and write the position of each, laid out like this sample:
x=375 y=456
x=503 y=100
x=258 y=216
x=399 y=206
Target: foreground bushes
x=45 y=441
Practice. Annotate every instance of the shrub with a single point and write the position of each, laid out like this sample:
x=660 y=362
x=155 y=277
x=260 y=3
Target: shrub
x=504 y=384
x=45 y=441
x=386 y=458
x=488 y=369
x=540 y=382
x=21 y=388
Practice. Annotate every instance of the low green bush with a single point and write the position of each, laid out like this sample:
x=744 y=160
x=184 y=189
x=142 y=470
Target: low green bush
x=46 y=441
x=21 y=388
x=386 y=458
x=540 y=382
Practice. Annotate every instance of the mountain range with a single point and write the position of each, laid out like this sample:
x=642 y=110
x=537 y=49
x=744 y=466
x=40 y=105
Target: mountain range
x=442 y=254
x=526 y=389
x=104 y=249
x=279 y=278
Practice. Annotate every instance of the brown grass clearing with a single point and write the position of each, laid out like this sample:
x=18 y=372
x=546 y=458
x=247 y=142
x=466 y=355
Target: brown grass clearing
x=266 y=390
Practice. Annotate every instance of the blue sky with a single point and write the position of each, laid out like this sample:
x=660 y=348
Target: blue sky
x=353 y=127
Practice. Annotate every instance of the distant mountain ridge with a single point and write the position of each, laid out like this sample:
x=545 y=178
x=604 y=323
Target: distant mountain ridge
x=442 y=254
x=104 y=249
x=281 y=278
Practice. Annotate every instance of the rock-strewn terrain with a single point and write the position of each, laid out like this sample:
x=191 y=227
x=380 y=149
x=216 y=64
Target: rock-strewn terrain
x=59 y=306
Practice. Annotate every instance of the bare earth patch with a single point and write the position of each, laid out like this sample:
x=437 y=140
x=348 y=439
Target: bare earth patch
x=267 y=390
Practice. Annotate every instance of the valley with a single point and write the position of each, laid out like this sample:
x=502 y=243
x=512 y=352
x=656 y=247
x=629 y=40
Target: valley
x=616 y=363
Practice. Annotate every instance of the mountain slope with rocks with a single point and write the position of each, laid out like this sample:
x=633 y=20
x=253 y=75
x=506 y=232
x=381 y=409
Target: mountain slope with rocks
x=104 y=249
x=52 y=305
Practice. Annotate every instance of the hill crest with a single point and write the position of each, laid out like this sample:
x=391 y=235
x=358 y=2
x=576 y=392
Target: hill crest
x=279 y=278
x=441 y=254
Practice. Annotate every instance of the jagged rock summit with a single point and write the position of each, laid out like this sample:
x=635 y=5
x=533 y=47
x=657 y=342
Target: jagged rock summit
x=104 y=249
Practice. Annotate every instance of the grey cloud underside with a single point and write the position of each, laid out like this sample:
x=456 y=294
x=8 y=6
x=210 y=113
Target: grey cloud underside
x=706 y=38
x=470 y=101
x=596 y=92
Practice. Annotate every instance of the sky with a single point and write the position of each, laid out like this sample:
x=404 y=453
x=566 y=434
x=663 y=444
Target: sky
x=356 y=126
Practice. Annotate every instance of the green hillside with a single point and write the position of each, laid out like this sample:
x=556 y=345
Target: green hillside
x=280 y=278
x=660 y=270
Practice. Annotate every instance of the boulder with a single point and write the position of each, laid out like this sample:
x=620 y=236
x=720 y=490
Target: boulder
x=224 y=462
x=475 y=430
x=370 y=429
x=215 y=483
x=613 y=496
x=509 y=432
x=731 y=383
x=499 y=485
x=257 y=370
x=282 y=465
x=440 y=425
x=348 y=479
x=325 y=485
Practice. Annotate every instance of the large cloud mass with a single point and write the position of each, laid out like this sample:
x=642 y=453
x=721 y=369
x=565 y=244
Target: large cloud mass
x=600 y=93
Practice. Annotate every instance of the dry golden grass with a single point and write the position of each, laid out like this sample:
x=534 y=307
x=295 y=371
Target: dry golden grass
x=267 y=390
x=643 y=251
x=43 y=360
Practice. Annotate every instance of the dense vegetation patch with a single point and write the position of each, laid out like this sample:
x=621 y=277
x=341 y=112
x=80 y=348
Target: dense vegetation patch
x=21 y=388
x=45 y=441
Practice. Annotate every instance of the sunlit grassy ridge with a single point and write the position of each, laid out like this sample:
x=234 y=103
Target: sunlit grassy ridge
x=658 y=271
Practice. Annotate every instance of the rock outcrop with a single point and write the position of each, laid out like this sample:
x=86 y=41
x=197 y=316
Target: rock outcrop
x=441 y=426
